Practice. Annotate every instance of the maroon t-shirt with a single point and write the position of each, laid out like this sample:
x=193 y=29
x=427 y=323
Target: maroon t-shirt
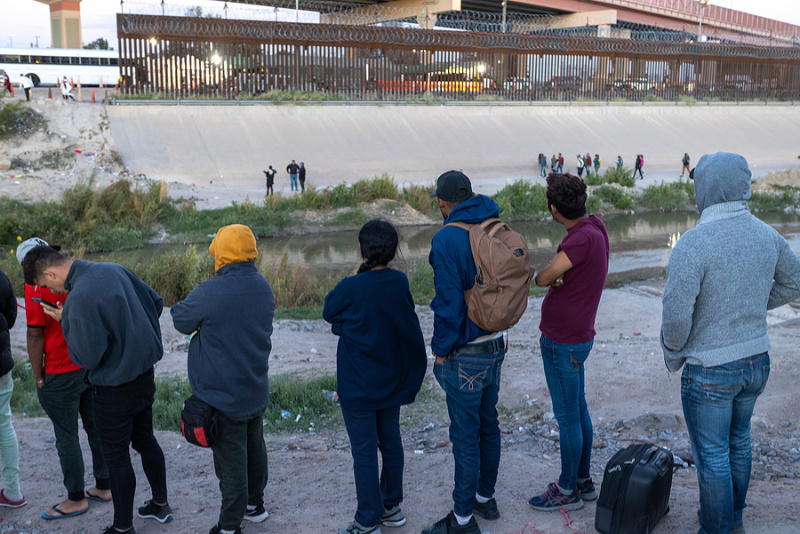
x=569 y=311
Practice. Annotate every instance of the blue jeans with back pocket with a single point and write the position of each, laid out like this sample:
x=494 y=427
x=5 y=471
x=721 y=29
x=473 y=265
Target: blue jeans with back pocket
x=472 y=385
x=718 y=403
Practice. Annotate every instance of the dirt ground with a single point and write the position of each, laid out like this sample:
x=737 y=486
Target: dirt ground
x=631 y=396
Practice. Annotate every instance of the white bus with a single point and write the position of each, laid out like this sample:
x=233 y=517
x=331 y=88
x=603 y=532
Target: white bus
x=46 y=66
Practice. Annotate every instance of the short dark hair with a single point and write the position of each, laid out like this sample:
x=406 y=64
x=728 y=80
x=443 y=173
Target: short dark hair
x=568 y=194
x=37 y=260
x=378 y=240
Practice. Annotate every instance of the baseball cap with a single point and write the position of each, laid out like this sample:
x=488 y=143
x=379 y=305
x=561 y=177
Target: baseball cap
x=453 y=186
x=27 y=245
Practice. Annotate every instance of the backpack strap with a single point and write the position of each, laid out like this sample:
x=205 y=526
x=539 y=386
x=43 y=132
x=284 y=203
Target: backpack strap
x=463 y=226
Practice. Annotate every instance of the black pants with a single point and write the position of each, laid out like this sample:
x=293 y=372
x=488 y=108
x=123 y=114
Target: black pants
x=123 y=416
x=28 y=93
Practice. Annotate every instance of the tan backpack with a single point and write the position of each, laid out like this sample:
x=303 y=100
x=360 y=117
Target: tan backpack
x=503 y=279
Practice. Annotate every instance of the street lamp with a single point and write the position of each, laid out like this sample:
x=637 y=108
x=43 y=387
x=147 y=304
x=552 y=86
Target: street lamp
x=703 y=5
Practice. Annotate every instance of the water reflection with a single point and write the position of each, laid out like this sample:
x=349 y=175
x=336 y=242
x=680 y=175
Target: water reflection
x=640 y=244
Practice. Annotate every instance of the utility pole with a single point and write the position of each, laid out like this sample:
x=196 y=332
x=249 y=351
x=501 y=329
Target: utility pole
x=703 y=5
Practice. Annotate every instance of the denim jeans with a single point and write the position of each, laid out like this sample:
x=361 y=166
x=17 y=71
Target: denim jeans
x=123 y=416
x=9 y=447
x=293 y=183
x=65 y=397
x=718 y=403
x=240 y=463
x=564 y=371
x=370 y=431
x=471 y=383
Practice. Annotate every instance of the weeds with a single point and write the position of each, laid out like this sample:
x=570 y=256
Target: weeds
x=614 y=196
x=613 y=175
x=772 y=201
x=24 y=398
x=666 y=196
x=521 y=201
x=593 y=204
x=19 y=120
x=296 y=403
x=293 y=284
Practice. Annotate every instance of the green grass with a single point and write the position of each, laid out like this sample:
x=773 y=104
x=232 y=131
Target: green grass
x=521 y=201
x=24 y=399
x=772 y=201
x=420 y=280
x=594 y=204
x=615 y=197
x=19 y=120
x=613 y=175
x=665 y=196
x=352 y=217
x=293 y=394
x=171 y=391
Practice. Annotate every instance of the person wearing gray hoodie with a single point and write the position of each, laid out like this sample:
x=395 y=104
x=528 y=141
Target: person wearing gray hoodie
x=723 y=276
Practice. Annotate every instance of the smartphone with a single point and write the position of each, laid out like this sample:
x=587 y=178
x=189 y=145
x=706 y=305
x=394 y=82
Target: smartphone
x=44 y=302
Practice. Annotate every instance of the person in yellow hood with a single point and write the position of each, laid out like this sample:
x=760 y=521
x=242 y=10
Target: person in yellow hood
x=228 y=365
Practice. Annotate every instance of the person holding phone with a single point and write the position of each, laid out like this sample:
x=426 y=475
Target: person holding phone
x=64 y=396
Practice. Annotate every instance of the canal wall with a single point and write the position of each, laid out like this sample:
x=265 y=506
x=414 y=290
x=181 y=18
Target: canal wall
x=229 y=145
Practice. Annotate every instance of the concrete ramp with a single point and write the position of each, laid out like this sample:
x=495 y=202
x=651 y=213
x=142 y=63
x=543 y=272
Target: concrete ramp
x=229 y=146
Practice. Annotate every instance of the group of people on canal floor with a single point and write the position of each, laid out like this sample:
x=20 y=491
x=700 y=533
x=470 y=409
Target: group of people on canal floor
x=102 y=321
x=297 y=177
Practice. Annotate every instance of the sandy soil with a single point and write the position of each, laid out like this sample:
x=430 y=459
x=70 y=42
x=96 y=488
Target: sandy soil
x=631 y=395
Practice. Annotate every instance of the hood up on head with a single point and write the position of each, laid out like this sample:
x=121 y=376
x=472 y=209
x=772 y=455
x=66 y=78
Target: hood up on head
x=721 y=177
x=232 y=244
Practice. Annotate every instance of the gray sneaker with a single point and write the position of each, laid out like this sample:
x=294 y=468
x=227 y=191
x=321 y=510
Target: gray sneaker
x=393 y=517
x=150 y=510
x=355 y=528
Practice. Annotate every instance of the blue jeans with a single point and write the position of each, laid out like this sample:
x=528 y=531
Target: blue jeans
x=370 y=431
x=560 y=167
x=563 y=369
x=718 y=403
x=472 y=384
x=293 y=181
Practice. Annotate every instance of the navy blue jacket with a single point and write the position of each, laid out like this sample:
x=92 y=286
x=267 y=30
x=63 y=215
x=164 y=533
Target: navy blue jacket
x=110 y=322
x=8 y=316
x=229 y=355
x=453 y=274
x=381 y=359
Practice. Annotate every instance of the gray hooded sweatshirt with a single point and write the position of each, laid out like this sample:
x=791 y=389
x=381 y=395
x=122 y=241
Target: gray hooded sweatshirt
x=725 y=273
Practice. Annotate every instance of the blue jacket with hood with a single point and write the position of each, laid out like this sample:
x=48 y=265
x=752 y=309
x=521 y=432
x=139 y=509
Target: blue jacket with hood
x=453 y=274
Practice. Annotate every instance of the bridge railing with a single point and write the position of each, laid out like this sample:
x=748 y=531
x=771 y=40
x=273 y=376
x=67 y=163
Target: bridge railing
x=227 y=58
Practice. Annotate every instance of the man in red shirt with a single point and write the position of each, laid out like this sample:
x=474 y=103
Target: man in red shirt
x=64 y=396
x=575 y=277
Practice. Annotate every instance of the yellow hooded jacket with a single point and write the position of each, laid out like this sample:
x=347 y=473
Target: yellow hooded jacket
x=232 y=244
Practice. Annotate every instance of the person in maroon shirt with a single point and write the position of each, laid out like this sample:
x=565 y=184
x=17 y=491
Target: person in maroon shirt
x=64 y=396
x=575 y=277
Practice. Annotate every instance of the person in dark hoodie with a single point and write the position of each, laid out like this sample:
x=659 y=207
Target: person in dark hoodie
x=575 y=278
x=380 y=364
x=465 y=352
x=723 y=276
x=10 y=495
x=110 y=322
x=228 y=365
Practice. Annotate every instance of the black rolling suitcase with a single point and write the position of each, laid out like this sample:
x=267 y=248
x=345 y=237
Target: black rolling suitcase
x=635 y=491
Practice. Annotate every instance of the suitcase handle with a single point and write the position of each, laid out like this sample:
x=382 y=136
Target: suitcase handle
x=660 y=462
x=648 y=454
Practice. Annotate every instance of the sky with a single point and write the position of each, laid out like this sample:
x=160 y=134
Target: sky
x=24 y=20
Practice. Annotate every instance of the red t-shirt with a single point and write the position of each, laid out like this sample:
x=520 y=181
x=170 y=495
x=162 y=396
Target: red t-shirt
x=56 y=355
x=569 y=311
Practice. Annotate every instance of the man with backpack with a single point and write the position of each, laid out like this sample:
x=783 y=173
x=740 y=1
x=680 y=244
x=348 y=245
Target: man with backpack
x=575 y=278
x=466 y=353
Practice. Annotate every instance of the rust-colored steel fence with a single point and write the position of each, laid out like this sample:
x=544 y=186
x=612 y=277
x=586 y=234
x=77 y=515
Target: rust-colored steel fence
x=214 y=57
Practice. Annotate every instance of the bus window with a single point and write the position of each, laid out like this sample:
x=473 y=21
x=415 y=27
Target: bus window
x=9 y=59
x=86 y=61
x=95 y=60
x=114 y=61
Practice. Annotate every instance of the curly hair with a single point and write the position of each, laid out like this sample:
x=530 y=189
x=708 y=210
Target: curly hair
x=568 y=194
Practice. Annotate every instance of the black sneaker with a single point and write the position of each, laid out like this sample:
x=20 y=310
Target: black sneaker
x=357 y=528
x=217 y=529
x=393 y=517
x=257 y=514
x=553 y=499
x=150 y=510
x=112 y=530
x=487 y=510
x=587 y=490
x=449 y=525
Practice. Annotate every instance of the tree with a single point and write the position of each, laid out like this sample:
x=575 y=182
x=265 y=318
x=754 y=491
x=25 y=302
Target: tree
x=194 y=11
x=98 y=44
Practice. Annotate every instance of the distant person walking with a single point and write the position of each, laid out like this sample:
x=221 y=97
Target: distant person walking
x=293 y=169
x=66 y=89
x=10 y=495
x=686 y=159
x=581 y=165
x=380 y=363
x=553 y=163
x=597 y=163
x=638 y=166
x=588 y=162
x=722 y=277
x=542 y=165
x=270 y=174
x=302 y=176
x=27 y=85
x=619 y=162
x=560 y=166
x=7 y=84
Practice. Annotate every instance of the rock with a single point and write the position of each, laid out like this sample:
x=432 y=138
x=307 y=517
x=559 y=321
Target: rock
x=785 y=424
x=657 y=421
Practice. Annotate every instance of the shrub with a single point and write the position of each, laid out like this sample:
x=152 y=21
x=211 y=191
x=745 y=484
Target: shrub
x=419 y=198
x=292 y=283
x=619 y=175
x=666 y=196
x=614 y=196
x=521 y=201
x=351 y=217
x=593 y=204
x=174 y=275
x=772 y=201
x=18 y=119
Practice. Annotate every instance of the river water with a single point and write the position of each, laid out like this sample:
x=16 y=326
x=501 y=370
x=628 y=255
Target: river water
x=640 y=245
